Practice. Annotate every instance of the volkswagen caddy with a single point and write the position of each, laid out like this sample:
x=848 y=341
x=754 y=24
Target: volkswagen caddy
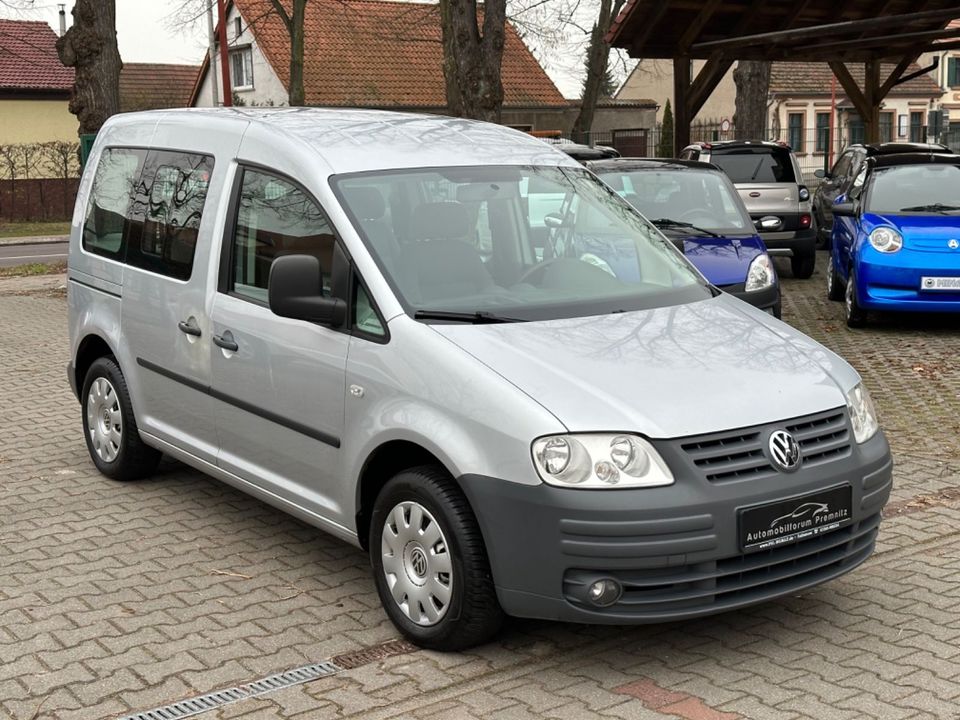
x=349 y=315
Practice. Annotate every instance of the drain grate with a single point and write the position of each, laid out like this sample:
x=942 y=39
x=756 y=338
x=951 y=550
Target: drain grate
x=348 y=661
x=211 y=701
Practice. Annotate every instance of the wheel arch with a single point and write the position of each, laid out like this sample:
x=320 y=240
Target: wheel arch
x=91 y=348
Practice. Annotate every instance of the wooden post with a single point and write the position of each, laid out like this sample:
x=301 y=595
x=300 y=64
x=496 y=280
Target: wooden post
x=871 y=93
x=681 y=105
x=224 y=56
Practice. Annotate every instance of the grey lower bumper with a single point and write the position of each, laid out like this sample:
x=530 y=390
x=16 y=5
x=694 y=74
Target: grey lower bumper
x=675 y=550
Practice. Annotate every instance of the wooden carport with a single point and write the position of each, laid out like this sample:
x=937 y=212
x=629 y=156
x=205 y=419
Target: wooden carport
x=832 y=31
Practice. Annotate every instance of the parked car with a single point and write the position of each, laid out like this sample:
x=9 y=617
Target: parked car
x=697 y=207
x=839 y=178
x=770 y=182
x=895 y=239
x=583 y=153
x=343 y=313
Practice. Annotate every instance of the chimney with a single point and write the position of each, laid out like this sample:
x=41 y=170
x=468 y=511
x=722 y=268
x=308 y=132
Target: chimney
x=63 y=19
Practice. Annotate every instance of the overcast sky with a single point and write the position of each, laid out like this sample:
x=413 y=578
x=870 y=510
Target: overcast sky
x=144 y=34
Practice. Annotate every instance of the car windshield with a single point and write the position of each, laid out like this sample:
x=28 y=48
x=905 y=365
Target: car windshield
x=513 y=243
x=923 y=189
x=761 y=164
x=702 y=198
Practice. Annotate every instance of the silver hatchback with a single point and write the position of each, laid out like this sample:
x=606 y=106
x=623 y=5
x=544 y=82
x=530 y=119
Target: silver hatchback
x=450 y=344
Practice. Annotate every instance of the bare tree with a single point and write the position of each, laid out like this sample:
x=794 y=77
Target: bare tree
x=471 y=60
x=597 y=56
x=752 y=78
x=90 y=47
x=293 y=21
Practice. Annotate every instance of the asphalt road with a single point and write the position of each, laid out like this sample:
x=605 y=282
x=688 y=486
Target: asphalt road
x=11 y=255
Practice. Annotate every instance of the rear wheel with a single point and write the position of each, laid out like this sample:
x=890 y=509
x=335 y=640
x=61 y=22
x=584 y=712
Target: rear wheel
x=835 y=289
x=430 y=564
x=802 y=264
x=856 y=316
x=109 y=426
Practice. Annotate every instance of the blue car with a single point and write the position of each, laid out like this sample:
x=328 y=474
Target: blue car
x=697 y=207
x=896 y=237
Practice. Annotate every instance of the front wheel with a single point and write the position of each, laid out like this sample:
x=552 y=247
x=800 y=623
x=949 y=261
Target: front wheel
x=855 y=315
x=109 y=426
x=430 y=564
x=835 y=289
x=802 y=265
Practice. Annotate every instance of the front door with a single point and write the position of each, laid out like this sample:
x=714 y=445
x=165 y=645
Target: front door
x=278 y=384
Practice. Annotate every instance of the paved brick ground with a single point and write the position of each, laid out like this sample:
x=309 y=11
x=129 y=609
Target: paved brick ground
x=121 y=597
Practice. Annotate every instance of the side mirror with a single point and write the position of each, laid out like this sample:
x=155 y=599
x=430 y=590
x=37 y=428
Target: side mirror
x=295 y=290
x=553 y=220
x=768 y=223
x=822 y=174
x=844 y=209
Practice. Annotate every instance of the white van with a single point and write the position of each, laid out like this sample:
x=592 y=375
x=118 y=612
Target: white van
x=353 y=316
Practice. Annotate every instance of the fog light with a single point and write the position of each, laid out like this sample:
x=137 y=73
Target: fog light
x=604 y=592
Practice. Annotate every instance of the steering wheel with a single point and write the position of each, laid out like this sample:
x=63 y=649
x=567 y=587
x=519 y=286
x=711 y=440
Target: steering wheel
x=539 y=268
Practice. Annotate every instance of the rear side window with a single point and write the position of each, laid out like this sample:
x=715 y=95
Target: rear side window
x=274 y=218
x=166 y=211
x=759 y=164
x=109 y=205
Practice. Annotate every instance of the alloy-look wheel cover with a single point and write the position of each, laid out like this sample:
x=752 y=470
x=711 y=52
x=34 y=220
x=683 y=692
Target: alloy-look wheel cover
x=848 y=296
x=104 y=419
x=417 y=563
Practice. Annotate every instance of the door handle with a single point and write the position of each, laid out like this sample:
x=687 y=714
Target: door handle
x=189 y=327
x=226 y=341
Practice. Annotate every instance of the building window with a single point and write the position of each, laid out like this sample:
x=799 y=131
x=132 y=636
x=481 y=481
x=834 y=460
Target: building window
x=855 y=129
x=237 y=27
x=823 y=132
x=916 y=126
x=953 y=72
x=795 y=131
x=241 y=65
x=886 y=127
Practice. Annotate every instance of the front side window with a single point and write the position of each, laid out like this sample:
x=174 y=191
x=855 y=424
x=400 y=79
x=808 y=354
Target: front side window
x=109 y=204
x=167 y=208
x=763 y=164
x=929 y=189
x=274 y=218
x=241 y=62
x=528 y=243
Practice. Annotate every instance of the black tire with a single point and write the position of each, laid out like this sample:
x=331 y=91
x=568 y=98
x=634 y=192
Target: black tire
x=803 y=264
x=835 y=285
x=133 y=459
x=473 y=614
x=855 y=315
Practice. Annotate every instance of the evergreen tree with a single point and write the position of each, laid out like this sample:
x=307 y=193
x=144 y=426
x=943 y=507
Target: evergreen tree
x=665 y=146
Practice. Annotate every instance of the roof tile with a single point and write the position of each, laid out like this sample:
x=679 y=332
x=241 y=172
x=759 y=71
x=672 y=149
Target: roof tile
x=376 y=53
x=151 y=86
x=814 y=78
x=28 y=58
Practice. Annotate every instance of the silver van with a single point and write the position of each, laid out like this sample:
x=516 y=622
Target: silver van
x=386 y=325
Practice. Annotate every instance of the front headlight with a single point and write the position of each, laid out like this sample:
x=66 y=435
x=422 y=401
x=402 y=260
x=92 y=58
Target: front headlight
x=863 y=416
x=599 y=461
x=886 y=240
x=761 y=274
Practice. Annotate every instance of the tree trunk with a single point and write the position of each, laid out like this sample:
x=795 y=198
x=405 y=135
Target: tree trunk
x=294 y=23
x=90 y=47
x=752 y=78
x=597 y=55
x=471 y=62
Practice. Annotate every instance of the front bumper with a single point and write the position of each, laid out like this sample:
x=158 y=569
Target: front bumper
x=895 y=284
x=675 y=550
x=767 y=299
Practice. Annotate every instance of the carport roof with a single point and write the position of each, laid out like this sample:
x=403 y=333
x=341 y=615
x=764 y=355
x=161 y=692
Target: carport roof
x=858 y=30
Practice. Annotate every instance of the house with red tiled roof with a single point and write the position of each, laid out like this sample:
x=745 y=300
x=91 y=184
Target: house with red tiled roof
x=34 y=85
x=947 y=74
x=372 y=54
x=153 y=86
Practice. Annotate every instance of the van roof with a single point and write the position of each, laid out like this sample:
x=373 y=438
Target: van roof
x=352 y=140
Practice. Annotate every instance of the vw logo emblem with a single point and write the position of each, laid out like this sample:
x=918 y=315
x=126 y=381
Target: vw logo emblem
x=418 y=562
x=953 y=244
x=784 y=450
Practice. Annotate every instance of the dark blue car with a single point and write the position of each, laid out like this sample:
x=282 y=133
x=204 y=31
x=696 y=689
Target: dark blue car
x=696 y=205
x=896 y=237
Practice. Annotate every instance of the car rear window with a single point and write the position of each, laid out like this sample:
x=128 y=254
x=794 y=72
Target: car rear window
x=755 y=164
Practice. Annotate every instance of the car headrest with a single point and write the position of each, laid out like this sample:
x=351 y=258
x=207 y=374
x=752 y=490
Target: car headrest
x=440 y=221
x=366 y=202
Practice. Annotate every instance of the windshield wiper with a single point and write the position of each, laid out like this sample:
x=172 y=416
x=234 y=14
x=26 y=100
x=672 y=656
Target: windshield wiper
x=481 y=317
x=935 y=207
x=667 y=222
